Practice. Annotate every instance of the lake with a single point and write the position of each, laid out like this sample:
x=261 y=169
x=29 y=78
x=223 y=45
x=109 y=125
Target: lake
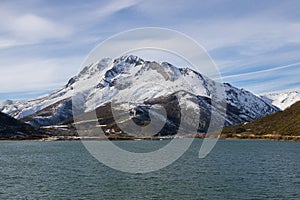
x=235 y=169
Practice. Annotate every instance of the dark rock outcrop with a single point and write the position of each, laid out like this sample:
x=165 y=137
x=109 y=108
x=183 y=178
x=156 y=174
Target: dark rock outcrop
x=11 y=128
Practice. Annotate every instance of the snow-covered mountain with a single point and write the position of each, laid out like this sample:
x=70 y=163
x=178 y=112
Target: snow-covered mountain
x=282 y=100
x=146 y=84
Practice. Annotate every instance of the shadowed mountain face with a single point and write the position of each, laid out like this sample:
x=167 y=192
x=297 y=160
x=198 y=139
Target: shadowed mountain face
x=285 y=122
x=11 y=128
x=148 y=84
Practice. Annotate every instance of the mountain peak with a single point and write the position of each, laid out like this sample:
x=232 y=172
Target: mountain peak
x=282 y=99
x=129 y=59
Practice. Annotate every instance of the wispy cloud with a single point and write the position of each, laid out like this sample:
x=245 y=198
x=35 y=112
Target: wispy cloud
x=264 y=81
x=39 y=74
x=27 y=28
x=111 y=8
x=295 y=65
x=39 y=38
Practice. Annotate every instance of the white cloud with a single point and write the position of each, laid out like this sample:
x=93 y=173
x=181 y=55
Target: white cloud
x=37 y=74
x=253 y=35
x=112 y=7
x=32 y=27
x=6 y=42
x=28 y=28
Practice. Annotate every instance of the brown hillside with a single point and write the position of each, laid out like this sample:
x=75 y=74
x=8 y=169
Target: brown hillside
x=285 y=122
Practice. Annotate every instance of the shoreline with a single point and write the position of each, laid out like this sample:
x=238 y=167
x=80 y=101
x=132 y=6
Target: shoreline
x=261 y=137
x=222 y=137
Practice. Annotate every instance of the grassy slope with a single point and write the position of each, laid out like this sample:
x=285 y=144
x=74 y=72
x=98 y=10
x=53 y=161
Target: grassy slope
x=285 y=122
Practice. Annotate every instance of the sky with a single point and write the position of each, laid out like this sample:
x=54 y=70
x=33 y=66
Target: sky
x=255 y=44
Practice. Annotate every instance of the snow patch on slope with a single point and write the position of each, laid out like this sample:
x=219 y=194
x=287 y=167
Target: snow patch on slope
x=282 y=100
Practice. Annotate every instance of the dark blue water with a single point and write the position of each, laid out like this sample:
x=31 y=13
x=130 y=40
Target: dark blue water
x=233 y=170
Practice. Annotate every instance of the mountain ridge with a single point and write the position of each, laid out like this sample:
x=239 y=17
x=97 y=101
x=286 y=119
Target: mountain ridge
x=282 y=100
x=122 y=78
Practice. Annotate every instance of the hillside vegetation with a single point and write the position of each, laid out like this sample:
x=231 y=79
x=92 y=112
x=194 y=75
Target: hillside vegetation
x=283 y=123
